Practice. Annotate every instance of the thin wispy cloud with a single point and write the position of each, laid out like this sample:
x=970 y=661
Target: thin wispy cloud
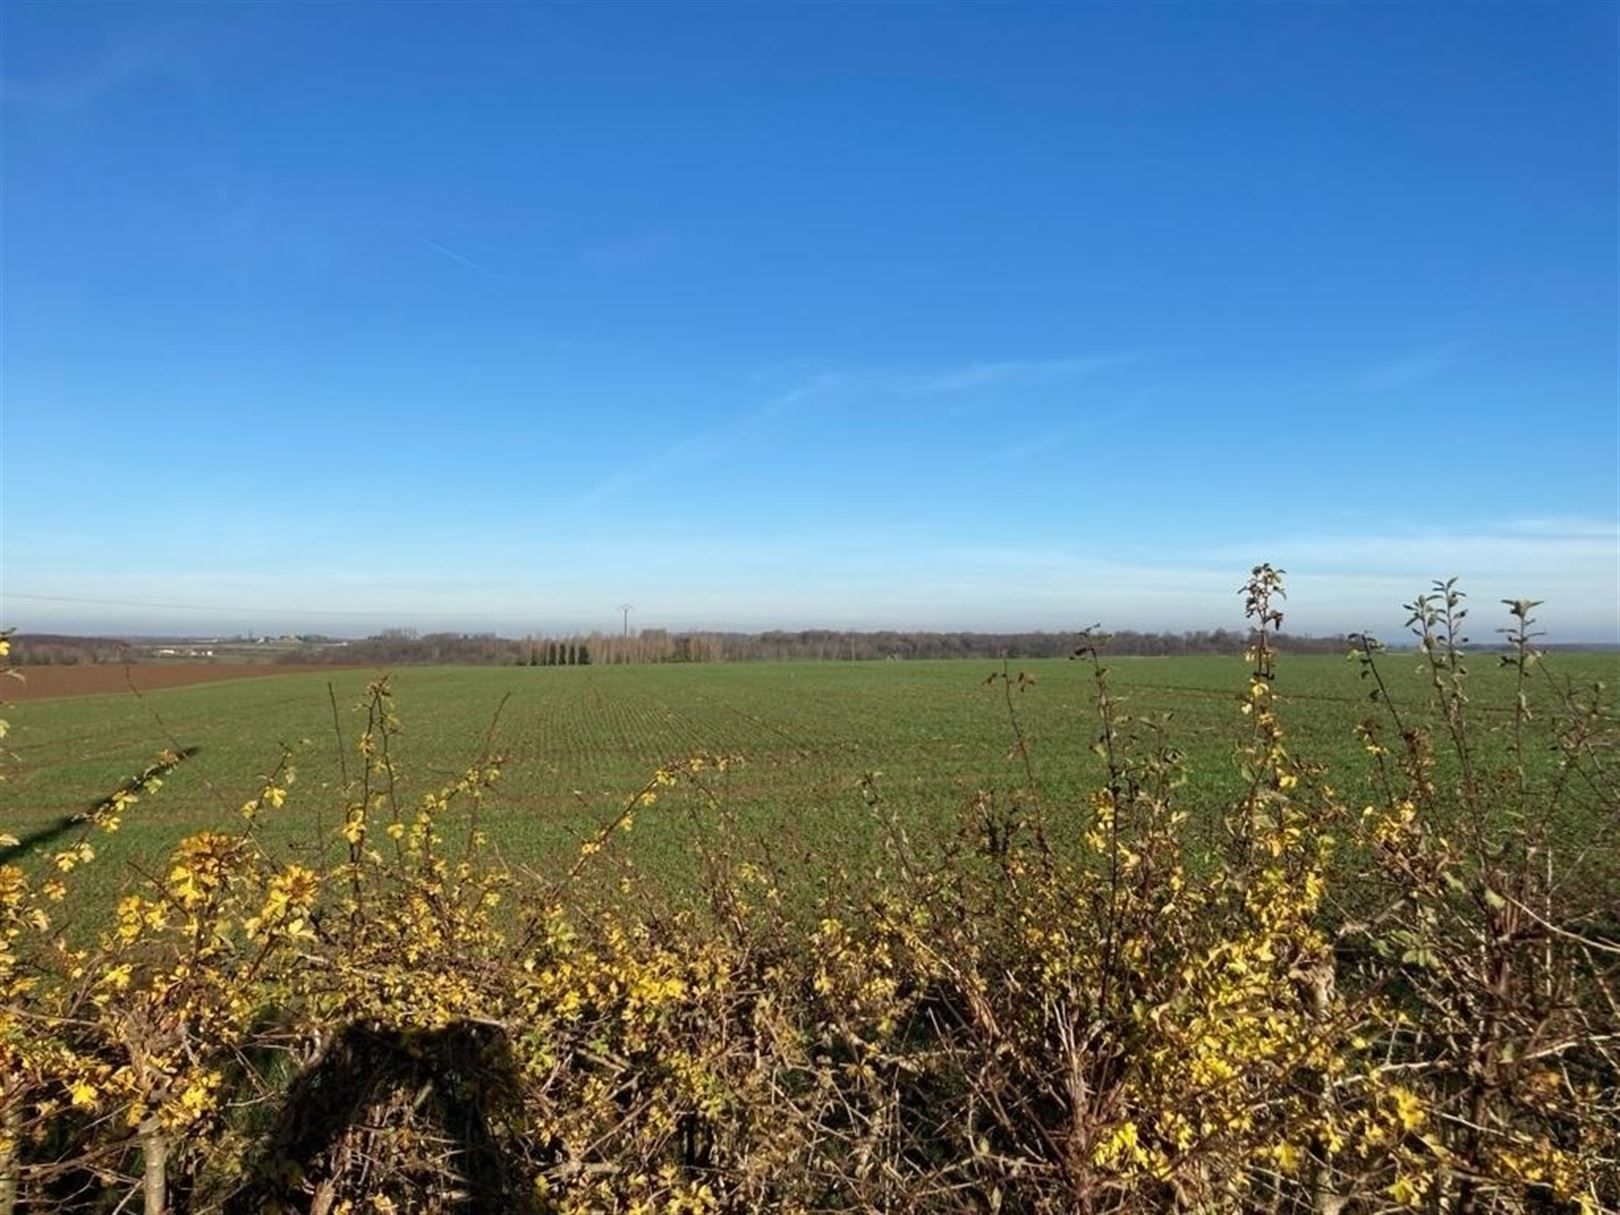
x=460 y=259
x=706 y=445
x=1498 y=549
x=1608 y=529
x=951 y=378
x=1409 y=369
x=1007 y=372
x=95 y=79
x=1337 y=583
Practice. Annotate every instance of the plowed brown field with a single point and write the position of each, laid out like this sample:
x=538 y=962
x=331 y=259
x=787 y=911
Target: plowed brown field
x=39 y=683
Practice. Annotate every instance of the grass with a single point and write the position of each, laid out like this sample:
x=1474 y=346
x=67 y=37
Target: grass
x=579 y=740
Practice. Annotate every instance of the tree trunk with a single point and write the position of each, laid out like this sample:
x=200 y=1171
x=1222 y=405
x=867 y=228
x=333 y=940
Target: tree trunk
x=10 y=1136
x=155 y=1159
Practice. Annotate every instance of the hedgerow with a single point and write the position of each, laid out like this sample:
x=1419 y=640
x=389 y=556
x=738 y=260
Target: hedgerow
x=1403 y=1005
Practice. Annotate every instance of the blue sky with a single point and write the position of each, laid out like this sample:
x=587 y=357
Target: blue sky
x=891 y=315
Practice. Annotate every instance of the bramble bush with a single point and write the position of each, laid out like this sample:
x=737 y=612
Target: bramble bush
x=1405 y=1005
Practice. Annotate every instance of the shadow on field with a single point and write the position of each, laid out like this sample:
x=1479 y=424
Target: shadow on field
x=40 y=836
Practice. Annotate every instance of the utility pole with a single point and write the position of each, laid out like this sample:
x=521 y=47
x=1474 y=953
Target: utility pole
x=625 y=608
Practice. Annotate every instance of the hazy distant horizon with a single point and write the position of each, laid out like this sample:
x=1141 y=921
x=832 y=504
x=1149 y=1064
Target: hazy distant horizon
x=1172 y=601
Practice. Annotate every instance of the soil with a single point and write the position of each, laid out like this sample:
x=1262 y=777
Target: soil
x=86 y=679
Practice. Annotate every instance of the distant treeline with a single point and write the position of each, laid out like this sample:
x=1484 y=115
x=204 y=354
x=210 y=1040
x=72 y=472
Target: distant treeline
x=54 y=649
x=402 y=646
x=808 y=645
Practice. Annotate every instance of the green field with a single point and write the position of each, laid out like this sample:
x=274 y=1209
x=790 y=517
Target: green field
x=579 y=740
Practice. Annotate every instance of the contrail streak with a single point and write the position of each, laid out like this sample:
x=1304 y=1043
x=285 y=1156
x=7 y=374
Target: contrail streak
x=458 y=258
